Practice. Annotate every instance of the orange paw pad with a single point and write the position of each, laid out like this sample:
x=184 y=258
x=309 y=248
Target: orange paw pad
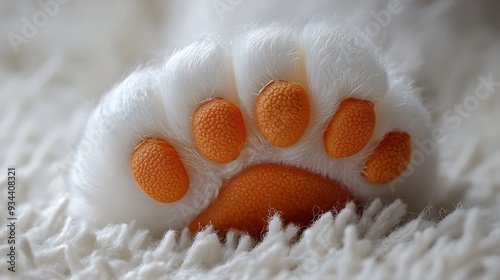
x=244 y=202
x=218 y=130
x=350 y=129
x=389 y=159
x=282 y=113
x=158 y=170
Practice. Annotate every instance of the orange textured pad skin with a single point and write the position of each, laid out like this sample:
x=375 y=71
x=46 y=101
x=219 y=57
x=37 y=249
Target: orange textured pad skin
x=389 y=159
x=158 y=170
x=282 y=113
x=219 y=130
x=350 y=129
x=244 y=202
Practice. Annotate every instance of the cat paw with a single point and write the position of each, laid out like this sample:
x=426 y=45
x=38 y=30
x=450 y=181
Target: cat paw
x=298 y=120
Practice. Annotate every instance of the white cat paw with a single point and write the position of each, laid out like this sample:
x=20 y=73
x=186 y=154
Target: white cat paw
x=298 y=119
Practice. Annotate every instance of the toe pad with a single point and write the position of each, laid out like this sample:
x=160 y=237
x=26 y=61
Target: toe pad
x=158 y=170
x=390 y=159
x=350 y=129
x=282 y=113
x=219 y=130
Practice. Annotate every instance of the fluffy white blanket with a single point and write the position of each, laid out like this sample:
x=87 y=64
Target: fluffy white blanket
x=59 y=57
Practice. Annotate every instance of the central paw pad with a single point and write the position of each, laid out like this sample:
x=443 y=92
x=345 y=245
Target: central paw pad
x=244 y=201
x=297 y=121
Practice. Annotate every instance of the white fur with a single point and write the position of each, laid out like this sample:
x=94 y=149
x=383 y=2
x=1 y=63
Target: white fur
x=330 y=59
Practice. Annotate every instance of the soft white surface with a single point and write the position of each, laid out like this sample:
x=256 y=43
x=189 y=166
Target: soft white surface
x=49 y=87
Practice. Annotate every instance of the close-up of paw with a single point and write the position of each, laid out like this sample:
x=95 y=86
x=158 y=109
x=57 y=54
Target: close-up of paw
x=295 y=120
x=263 y=139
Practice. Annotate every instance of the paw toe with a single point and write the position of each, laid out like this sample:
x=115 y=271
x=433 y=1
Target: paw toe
x=350 y=129
x=158 y=170
x=219 y=130
x=282 y=113
x=390 y=159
